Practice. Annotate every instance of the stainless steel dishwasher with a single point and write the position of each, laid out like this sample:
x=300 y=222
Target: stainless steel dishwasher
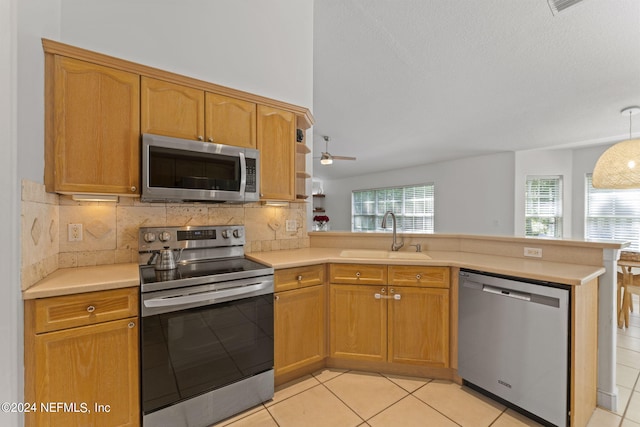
x=513 y=342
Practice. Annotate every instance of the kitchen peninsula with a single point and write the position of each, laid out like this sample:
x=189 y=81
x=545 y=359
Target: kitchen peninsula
x=588 y=267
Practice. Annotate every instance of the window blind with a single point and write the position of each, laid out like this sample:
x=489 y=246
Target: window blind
x=613 y=214
x=543 y=206
x=412 y=205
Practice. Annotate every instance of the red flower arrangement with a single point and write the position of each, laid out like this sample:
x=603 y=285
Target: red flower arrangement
x=321 y=218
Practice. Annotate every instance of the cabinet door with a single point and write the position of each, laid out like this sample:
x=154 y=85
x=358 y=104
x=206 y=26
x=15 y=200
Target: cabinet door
x=93 y=128
x=172 y=110
x=276 y=139
x=90 y=365
x=358 y=325
x=299 y=333
x=419 y=326
x=230 y=121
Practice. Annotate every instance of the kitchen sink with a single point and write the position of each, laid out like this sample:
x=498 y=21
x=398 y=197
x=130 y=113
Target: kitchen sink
x=382 y=254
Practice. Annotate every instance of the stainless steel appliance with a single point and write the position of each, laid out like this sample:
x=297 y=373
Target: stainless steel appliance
x=207 y=327
x=513 y=343
x=180 y=170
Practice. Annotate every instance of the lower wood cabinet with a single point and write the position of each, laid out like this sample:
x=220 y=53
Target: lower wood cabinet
x=299 y=321
x=85 y=375
x=399 y=324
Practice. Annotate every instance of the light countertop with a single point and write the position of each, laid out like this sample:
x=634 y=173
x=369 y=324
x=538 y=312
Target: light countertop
x=67 y=281
x=569 y=274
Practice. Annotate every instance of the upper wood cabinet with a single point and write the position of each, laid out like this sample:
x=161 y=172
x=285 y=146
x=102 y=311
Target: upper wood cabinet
x=183 y=112
x=276 y=139
x=230 y=121
x=92 y=128
x=172 y=110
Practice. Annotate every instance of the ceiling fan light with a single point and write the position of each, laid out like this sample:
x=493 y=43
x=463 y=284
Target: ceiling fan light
x=326 y=159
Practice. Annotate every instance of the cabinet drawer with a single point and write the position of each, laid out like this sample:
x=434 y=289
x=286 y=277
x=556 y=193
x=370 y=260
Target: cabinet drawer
x=298 y=277
x=69 y=311
x=358 y=274
x=414 y=275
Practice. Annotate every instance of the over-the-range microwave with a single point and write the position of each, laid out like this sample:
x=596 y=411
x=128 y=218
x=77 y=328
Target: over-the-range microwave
x=181 y=170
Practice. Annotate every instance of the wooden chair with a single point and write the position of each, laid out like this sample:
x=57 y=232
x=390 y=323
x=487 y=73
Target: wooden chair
x=629 y=285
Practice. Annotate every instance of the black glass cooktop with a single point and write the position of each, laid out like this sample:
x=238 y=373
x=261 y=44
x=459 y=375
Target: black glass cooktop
x=200 y=272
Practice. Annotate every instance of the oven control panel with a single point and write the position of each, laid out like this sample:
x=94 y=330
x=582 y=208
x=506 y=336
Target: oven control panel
x=156 y=238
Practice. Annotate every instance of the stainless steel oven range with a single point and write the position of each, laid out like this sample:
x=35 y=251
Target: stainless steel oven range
x=207 y=326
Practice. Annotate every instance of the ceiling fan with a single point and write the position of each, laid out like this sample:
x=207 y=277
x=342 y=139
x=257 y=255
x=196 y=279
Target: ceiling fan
x=327 y=158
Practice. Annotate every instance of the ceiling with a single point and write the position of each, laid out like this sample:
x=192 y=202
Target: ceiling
x=412 y=82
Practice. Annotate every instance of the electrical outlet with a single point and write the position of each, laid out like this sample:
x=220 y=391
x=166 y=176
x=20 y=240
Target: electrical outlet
x=74 y=232
x=533 y=252
x=291 y=225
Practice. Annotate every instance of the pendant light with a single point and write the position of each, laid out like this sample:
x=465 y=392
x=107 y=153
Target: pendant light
x=619 y=166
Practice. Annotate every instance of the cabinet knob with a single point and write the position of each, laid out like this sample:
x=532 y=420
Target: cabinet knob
x=276 y=297
x=133 y=188
x=383 y=290
x=200 y=138
x=299 y=278
x=418 y=277
x=392 y=291
x=131 y=325
x=210 y=139
x=91 y=309
x=357 y=274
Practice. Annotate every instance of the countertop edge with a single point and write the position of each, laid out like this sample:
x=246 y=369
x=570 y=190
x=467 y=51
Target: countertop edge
x=529 y=269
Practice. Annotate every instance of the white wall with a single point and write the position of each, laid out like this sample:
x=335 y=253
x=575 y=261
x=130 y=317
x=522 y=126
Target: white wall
x=11 y=373
x=543 y=162
x=584 y=160
x=262 y=47
x=473 y=195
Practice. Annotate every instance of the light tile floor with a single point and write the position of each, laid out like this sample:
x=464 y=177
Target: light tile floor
x=336 y=398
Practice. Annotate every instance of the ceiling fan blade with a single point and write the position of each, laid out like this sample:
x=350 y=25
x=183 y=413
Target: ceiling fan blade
x=343 y=158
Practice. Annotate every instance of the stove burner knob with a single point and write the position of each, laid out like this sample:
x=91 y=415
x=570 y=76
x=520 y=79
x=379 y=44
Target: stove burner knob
x=225 y=234
x=237 y=233
x=165 y=236
x=149 y=237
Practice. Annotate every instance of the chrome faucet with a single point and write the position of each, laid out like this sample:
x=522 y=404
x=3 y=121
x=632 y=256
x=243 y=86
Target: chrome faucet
x=395 y=245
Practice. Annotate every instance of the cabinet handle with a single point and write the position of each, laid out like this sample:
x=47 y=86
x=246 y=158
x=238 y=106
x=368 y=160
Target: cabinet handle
x=357 y=274
x=133 y=188
x=91 y=309
x=418 y=277
x=200 y=138
x=131 y=325
x=299 y=278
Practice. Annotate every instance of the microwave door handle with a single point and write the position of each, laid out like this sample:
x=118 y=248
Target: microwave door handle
x=243 y=174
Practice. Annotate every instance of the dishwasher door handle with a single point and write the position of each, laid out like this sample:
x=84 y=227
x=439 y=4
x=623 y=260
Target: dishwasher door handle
x=506 y=292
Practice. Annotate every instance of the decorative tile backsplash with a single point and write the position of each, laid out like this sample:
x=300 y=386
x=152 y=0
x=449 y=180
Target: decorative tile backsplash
x=110 y=230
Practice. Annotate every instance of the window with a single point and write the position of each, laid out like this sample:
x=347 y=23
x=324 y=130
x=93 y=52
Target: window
x=543 y=206
x=412 y=205
x=613 y=215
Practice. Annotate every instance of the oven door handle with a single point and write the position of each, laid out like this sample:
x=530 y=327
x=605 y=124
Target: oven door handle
x=205 y=296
